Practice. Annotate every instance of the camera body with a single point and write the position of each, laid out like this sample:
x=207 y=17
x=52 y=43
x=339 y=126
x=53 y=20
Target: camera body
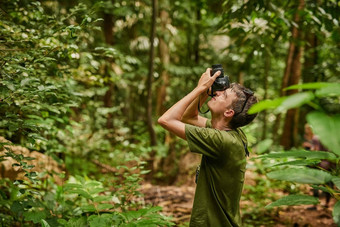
x=222 y=82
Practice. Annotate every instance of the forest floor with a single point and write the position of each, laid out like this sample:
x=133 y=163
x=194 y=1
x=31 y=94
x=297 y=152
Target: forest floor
x=177 y=201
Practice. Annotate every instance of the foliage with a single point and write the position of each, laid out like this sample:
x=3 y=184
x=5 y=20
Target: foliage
x=292 y=200
x=66 y=67
x=78 y=202
x=325 y=125
x=50 y=68
x=253 y=201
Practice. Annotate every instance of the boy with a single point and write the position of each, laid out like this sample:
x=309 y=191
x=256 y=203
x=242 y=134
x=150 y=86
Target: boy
x=222 y=144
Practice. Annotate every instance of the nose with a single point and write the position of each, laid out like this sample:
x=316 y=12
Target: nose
x=218 y=93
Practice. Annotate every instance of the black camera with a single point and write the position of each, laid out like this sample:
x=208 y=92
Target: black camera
x=222 y=82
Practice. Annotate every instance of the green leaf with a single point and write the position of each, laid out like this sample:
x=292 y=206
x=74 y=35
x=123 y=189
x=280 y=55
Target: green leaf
x=327 y=128
x=104 y=220
x=44 y=223
x=92 y=184
x=80 y=192
x=88 y=208
x=301 y=154
x=299 y=163
x=295 y=100
x=293 y=200
x=336 y=213
x=336 y=181
x=145 y=172
x=35 y=216
x=104 y=206
x=102 y=198
x=263 y=146
x=302 y=175
x=130 y=215
x=266 y=104
x=329 y=91
x=70 y=186
x=94 y=191
x=316 y=85
x=154 y=209
x=77 y=221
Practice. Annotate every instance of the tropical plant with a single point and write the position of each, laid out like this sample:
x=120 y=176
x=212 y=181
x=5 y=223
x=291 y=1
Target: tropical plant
x=294 y=165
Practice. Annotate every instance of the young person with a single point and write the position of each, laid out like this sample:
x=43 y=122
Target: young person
x=222 y=144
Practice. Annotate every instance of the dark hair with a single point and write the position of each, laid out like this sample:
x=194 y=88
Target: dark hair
x=245 y=99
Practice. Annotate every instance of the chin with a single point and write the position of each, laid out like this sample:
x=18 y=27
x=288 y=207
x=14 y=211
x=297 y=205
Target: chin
x=209 y=104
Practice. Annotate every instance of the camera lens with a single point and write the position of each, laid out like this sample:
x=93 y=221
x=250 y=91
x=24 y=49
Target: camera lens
x=215 y=68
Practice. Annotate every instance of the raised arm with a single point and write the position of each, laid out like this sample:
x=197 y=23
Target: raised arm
x=171 y=120
x=191 y=115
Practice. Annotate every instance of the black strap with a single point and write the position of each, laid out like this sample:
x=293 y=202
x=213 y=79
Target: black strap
x=198 y=105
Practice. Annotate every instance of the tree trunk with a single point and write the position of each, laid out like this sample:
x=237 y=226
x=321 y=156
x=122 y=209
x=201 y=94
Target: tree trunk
x=240 y=77
x=164 y=55
x=291 y=77
x=198 y=32
x=150 y=76
x=308 y=76
x=108 y=101
x=265 y=96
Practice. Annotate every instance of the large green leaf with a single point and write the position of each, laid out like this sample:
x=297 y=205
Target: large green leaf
x=301 y=175
x=336 y=181
x=263 y=146
x=304 y=162
x=316 y=85
x=329 y=91
x=295 y=100
x=301 y=154
x=266 y=104
x=336 y=213
x=293 y=200
x=327 y=128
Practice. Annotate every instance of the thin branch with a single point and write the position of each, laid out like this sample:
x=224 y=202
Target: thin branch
x=14 y=49
x=3 y=11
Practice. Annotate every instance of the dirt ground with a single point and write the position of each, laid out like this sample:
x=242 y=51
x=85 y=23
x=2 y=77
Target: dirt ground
x=177 y=202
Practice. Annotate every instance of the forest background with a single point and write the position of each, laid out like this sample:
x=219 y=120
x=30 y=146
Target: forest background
x=83 y=82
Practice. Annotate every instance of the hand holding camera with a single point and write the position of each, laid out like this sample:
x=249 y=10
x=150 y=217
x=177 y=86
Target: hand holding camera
x=222 y=82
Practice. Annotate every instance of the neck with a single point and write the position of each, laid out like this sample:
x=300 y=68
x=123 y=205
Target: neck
x=220 y=124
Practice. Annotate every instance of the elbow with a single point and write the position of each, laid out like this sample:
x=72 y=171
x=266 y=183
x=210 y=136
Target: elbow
x=185 y=120
x=161 y=121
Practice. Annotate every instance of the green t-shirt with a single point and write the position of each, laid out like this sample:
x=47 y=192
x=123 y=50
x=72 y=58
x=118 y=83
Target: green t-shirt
x=221 y=177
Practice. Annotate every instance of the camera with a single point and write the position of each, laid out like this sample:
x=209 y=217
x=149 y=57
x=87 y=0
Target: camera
x=222 y=82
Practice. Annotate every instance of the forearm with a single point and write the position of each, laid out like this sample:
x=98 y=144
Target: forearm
x=171 y=119
x=191 y=115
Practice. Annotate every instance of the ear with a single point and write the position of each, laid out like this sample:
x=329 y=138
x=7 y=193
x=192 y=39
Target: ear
x=229 y=113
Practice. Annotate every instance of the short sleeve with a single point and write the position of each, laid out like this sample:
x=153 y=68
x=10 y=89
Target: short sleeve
x=206 y=141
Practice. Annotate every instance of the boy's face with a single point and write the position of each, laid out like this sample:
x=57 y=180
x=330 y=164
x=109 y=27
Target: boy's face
x=222 y=101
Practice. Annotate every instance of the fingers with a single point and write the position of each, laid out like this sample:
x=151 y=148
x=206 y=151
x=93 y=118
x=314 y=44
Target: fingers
x=216 y=74
x=206 y=79
x=208 y=71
